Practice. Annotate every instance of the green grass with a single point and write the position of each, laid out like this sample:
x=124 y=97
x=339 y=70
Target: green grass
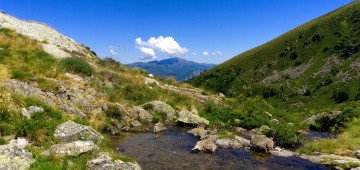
x=77 y=65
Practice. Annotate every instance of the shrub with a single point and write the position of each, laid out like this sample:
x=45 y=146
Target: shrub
x=77 y=65
x=114 y=112
x=158 y=117
x=18 y=74
x=285 y=135
x=340 y=94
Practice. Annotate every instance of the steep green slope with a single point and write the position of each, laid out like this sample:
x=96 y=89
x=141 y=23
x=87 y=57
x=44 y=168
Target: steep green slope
x=313 y=66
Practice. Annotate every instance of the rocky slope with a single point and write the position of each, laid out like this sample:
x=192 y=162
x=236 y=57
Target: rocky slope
x=52 y=41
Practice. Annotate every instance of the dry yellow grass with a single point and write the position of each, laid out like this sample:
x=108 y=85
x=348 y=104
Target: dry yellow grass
x=4 y=73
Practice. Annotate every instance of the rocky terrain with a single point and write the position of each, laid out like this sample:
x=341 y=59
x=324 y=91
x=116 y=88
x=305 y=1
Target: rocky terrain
x=61 y=104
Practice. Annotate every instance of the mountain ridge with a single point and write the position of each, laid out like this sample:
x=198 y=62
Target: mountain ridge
x=178 y=68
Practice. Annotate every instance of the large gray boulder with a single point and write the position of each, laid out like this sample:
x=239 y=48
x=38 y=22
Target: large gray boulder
x=205 y=146
x=188 y=118
x=14 y=156
x=70 y=131
x=104 y=162
x=71 y=149
x=261 y=143
x=161 y=107
x=237 y=142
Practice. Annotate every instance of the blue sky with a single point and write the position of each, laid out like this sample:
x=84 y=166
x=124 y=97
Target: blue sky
x=140 y=30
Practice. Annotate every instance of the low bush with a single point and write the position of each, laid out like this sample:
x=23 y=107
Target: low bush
x=77 y=65
x=340 y=94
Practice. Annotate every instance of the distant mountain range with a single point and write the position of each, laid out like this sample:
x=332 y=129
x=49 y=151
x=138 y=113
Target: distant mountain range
x=178 y=68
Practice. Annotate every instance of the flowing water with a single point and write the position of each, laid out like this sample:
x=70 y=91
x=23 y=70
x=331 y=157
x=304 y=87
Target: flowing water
x=172 y=150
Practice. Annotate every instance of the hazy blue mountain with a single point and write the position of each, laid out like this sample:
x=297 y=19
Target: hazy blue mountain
x=179 y=68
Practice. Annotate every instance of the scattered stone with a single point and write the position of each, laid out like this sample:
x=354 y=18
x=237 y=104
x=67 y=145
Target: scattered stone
x=161 y=107
x=249 y=134
x=322 y=115
x=135 y=123
x=71 y=149
x=331 y=159
x=70 y=131
x=222 y=95
x=62 y=89
x=151 y=75
x=21 y=142
x=104 y=162
x=30 y=111
x=205 y=146
x=159 y=127
x=241 y=130
x=188 y=118
x=261 y=143
x=275 y=121
x=237 y=121
x=199 y=132
x=357 y=154
x=14 y=156
x=281 y=152
x=238 y=142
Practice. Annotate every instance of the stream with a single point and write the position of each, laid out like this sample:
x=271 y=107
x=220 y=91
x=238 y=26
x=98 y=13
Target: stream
x=172 y=150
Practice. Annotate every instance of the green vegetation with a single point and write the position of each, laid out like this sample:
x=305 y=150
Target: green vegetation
x=77 y=65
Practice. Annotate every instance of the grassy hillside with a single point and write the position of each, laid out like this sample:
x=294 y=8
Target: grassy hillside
x=313 y=66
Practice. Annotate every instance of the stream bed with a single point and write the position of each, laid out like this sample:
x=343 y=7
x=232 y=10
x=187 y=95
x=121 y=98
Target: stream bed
x=172 y=150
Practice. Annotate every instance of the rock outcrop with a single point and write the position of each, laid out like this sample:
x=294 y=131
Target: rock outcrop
x=70 y=131
x=28 y=112
x=104 y=162
x=52 y=41
x=237 y=142
x=161 y=107
x=188 y=118
x=261 y=143
x=14 y=156
x=205 y=146
x=71 y=149
x=331 y=160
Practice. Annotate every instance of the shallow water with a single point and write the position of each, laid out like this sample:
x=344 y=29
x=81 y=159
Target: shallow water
x=172 y=150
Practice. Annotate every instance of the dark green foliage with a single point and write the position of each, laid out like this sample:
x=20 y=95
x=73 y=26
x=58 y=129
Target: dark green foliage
x=285 y=135
x=114 y=112
x=158 y=117
x=77 y=65
x=81 y=121
x=18 y=74
x=340 y=94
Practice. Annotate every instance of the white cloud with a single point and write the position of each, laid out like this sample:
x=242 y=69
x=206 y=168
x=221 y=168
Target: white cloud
x=219 y=52
x=205 y=53
x=147 y=51
x=193 y=53
x=166 y=45
x=146 y=57
x=113 y=50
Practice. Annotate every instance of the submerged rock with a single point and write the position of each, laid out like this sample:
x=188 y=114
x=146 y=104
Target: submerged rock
x=14 y=156
x=71 y=149
x=159 y=127
x=104 y=162
x=205 y=146
x=281 y=152
x=161 y=107
x=70 y=131
x=261 y=143
x=199 y=132
x=188 y=118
